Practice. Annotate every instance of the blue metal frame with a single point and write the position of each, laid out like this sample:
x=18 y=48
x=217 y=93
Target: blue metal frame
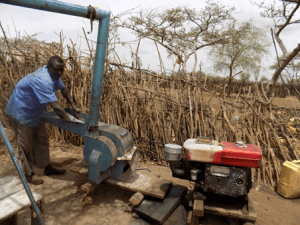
x=70 y=9
x=103 y=143
x=57 y=7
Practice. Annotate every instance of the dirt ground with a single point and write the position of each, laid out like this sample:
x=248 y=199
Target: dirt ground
x=63 y=197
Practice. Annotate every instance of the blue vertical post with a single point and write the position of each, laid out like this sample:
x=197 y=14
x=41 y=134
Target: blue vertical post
x=21 y=174
x=98 y=71
x=70 y=9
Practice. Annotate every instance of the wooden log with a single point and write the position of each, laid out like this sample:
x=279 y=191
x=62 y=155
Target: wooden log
x=136 y=199
x=198 y=209
x=230 y=210
x=88 y=187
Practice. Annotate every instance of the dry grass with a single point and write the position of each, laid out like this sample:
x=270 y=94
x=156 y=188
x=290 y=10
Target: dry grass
x=160 y=109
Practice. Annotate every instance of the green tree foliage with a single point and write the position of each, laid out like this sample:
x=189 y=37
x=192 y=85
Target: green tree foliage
x=243 y=51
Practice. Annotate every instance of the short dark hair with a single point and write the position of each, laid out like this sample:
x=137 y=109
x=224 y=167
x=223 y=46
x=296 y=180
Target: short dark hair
x=55 y=60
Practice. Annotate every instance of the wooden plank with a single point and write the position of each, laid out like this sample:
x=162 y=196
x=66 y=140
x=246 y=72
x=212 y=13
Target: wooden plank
x=159 y=211
x=8 y=181
x=13 y=220
x=230 y=210
x=190 y=217
x=80 y=167
x=134 y=181
x=192 y=220
x=251 y=209
x=198 y=209
x=146 y=185
x=199 y=196
x=80 y=170
x=7 y=192
x=15 y=203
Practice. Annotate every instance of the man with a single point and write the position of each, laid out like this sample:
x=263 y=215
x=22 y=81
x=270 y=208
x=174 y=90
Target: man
x=28 y=101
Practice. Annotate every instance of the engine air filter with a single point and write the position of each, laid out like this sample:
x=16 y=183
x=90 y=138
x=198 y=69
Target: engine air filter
x=173 y=152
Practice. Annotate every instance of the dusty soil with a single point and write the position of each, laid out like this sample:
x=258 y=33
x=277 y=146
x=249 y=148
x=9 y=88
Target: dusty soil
x=63 y=197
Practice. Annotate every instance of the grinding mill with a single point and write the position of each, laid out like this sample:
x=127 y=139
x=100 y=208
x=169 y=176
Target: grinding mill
x=105 y=146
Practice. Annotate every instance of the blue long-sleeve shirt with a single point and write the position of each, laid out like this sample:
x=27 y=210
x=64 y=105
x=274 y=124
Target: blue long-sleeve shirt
x=31 y=96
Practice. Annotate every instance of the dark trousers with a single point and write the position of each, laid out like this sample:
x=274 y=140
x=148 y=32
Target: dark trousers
x=33 y=146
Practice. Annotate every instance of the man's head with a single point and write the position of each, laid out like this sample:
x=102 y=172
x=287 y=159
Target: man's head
x=56 y=67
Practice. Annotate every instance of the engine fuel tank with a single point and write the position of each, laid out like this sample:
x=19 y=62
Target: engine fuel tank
x=226 y=153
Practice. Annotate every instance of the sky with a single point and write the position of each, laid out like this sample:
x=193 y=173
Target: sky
x=47 y=25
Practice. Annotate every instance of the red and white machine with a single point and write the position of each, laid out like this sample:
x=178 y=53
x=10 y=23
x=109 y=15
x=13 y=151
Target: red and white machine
x=222 y=168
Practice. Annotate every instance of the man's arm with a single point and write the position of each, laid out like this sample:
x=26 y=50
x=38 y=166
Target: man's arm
x=59 y=110
x=65 y=92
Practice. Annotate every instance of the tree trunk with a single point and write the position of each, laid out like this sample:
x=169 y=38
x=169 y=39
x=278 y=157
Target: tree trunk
x=281 y=67
x=280 y=43
x=229 y=82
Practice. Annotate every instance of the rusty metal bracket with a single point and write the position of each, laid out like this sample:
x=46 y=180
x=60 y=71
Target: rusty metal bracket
x=91 y=14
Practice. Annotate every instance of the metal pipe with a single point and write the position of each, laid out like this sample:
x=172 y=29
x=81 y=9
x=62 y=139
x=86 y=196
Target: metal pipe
x=21 y=174
x=82 y=11
x=94 y=117
x=57 y=7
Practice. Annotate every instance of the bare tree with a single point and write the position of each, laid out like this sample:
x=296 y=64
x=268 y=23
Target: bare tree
x=283 y=15
x=182 y=30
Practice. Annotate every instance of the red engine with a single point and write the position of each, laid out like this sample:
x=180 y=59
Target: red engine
x=222 y=168
x=226 y=153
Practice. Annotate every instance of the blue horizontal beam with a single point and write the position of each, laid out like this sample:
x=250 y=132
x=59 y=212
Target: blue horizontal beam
x=57 y=7
x=82 y=11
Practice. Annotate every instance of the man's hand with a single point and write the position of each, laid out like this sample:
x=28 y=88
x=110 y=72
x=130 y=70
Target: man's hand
x=76 y=111
x=59 y=110
x=65 y=92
